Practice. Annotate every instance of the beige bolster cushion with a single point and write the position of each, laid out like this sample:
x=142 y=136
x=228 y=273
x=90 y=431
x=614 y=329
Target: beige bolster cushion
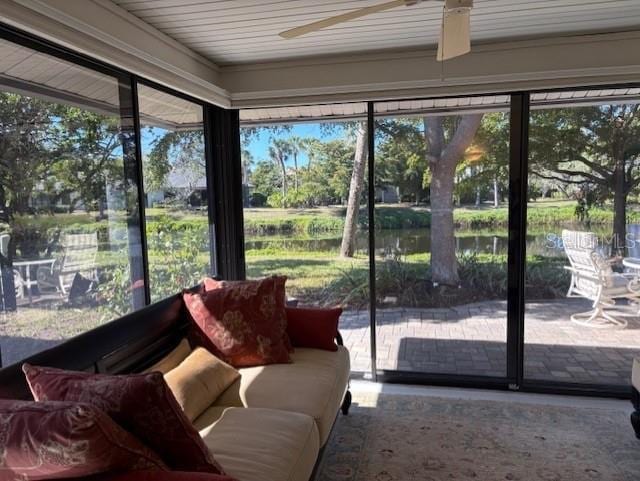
x=198 y=381
x=173 y=359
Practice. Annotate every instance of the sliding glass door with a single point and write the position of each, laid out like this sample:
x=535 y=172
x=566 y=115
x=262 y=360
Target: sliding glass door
x=304 y=176
x=441 y=218
x=583 y=233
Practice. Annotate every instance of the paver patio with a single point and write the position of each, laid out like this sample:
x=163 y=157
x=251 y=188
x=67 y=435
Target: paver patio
x=471 y=339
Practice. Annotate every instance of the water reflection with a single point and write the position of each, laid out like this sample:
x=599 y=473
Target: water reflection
x=411 y=241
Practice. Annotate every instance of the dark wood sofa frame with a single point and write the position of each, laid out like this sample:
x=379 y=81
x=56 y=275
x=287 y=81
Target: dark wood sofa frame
x=131 y=343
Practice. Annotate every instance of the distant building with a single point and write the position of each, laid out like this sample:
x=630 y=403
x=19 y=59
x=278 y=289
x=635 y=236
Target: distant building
x=180 y=185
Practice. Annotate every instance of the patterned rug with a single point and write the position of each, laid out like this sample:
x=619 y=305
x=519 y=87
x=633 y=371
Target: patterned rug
x=406 y=438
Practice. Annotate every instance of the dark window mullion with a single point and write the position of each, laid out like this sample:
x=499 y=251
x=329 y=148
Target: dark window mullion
x=226 y=179
x=210 y=160
x=372 y=236
x=139 y=182
x=518 y=153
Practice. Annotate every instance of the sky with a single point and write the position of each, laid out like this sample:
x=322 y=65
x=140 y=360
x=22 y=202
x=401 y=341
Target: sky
x=259 y=145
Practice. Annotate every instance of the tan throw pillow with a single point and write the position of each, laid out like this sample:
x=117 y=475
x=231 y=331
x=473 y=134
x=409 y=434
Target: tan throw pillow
x=173 y=359
x=199 y=380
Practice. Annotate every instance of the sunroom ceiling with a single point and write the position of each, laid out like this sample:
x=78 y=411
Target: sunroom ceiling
x=27 y=72
x=245 y=31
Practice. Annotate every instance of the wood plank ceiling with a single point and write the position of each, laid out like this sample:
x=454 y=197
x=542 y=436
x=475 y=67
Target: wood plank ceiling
x=245 y=31
x=27 y=72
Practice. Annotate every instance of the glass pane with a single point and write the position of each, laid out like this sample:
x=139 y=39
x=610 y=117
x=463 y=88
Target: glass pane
x=441 y=213
x=175 y=184
x=69 y=232
x=581 y=321
x=305 y=215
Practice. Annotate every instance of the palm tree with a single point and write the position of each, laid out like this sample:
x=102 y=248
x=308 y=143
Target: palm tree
x=296 y=146
x=279 y=152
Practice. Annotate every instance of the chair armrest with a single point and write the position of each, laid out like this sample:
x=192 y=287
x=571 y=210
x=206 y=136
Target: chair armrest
x=582 y=274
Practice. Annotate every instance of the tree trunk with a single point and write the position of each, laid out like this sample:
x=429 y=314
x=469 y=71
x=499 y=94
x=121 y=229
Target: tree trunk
x=443 y=160
x=295 y=171
x=496 y=193
x=283 y=167
x=444 y=268
x=348 y=246
x=478 y=196
x=619 y=209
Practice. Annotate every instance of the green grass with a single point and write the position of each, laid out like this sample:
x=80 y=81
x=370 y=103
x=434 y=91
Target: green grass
x=317 y=221
x=331 y=219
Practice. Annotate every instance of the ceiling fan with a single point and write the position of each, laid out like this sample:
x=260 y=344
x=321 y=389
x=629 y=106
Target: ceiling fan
x=454 y=32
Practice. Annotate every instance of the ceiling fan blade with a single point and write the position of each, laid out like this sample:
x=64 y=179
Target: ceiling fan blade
x=345 y=17
x=455 y=38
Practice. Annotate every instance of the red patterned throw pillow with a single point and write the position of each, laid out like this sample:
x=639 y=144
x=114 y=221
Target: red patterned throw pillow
x=279 y=291
x=141 y=403
x=55 y=440
x=243 y=322
x=313 y=327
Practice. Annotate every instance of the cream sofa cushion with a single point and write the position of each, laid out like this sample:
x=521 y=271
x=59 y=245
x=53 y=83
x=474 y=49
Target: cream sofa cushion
x=172 y=359
x=635 y=373
x=313 y=384
x=261 y=444
x=198 y=381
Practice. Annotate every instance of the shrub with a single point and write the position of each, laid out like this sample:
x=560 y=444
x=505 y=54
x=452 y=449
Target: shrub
x=406 y=282
x=257 y=199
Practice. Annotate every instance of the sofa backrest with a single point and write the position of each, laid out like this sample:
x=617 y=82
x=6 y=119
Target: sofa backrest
x=128 y=344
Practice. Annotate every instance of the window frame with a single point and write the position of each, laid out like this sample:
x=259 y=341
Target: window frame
x=130 y=119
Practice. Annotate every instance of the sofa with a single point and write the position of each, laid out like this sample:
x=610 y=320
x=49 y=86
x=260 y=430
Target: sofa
x=271 y=424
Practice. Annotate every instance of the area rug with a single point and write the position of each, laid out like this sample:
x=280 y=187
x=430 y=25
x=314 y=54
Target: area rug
x=405 y=438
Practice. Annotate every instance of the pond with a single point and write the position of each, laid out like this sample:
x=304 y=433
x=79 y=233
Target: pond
x=410 y=241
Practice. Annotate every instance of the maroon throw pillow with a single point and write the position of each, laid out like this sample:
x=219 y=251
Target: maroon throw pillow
x=279 y=291
x=313 y=327
x=141 y=403
x=241 y=322
x=54 y=440
x=160 y=476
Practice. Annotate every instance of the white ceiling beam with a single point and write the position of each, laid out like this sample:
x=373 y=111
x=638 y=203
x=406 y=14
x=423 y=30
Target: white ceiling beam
x=571 y=61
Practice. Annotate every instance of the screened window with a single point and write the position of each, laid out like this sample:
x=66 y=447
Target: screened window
x=175 y=184
x=70 y=247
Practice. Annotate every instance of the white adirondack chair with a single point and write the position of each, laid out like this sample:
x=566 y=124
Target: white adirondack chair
x=79 y=256
x=592 y=277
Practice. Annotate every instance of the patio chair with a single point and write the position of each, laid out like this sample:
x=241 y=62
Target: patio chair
x=79 y=257
x=592 y=277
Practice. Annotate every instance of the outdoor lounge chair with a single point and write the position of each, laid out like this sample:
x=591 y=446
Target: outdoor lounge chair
x=592 y=277
x=79 y=257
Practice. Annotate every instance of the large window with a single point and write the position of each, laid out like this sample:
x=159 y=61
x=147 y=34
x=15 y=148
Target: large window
x=441 y=214
x=583 y=235
x=176 y=203
x=305 y=216
x=70 y=246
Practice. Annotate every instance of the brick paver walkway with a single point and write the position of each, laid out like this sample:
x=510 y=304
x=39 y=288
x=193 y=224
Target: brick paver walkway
x=471 y=339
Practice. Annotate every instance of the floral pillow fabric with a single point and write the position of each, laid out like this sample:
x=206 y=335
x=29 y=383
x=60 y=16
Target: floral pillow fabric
x=244 y=323
x=279 y=291
x=141 y=403
x=53 y=440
